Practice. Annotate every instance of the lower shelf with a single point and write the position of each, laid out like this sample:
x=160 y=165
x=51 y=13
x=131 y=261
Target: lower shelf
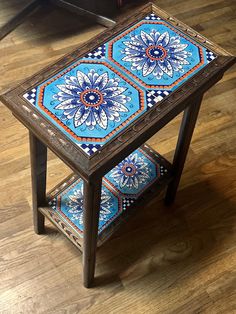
x=137 y=179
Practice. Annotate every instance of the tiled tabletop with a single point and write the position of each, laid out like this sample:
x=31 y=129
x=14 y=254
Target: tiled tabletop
x=100 y=94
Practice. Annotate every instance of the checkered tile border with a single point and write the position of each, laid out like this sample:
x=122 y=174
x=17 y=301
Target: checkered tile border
x=98 y=53
x=210 y=55
x=31 y=96
x=90 y=149
x=126 y=202
x=152 y=17
x=154 y=96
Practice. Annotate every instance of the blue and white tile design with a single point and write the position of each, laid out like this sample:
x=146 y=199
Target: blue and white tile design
x=99 y=95
x=120 y=188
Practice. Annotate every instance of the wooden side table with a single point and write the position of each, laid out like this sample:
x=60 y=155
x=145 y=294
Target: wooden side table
x=96 y=107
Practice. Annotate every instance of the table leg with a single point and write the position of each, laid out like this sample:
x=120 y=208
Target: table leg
x=184 y=140
x=19 y=18
x=92 y=199
x=100 y=19
x=38 y=155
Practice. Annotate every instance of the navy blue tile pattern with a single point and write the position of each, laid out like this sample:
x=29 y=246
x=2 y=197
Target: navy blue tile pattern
x=155 y=96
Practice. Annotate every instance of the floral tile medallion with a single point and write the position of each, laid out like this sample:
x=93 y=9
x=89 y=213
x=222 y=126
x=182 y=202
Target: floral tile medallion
x=134 y=174
x=120 y=188
x=157 y=55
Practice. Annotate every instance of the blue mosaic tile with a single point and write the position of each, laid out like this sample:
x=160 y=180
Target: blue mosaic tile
x=120 y=188
x=99 y=95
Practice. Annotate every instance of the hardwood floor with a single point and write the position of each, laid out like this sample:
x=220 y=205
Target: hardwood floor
x=177 y=260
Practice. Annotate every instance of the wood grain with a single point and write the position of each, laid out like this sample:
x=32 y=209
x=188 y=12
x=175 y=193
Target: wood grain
x=162 y=261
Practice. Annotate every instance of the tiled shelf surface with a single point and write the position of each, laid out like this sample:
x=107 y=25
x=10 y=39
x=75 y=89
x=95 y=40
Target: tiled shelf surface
x=134 y=181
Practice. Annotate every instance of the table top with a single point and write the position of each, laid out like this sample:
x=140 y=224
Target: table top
x=102 y=101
